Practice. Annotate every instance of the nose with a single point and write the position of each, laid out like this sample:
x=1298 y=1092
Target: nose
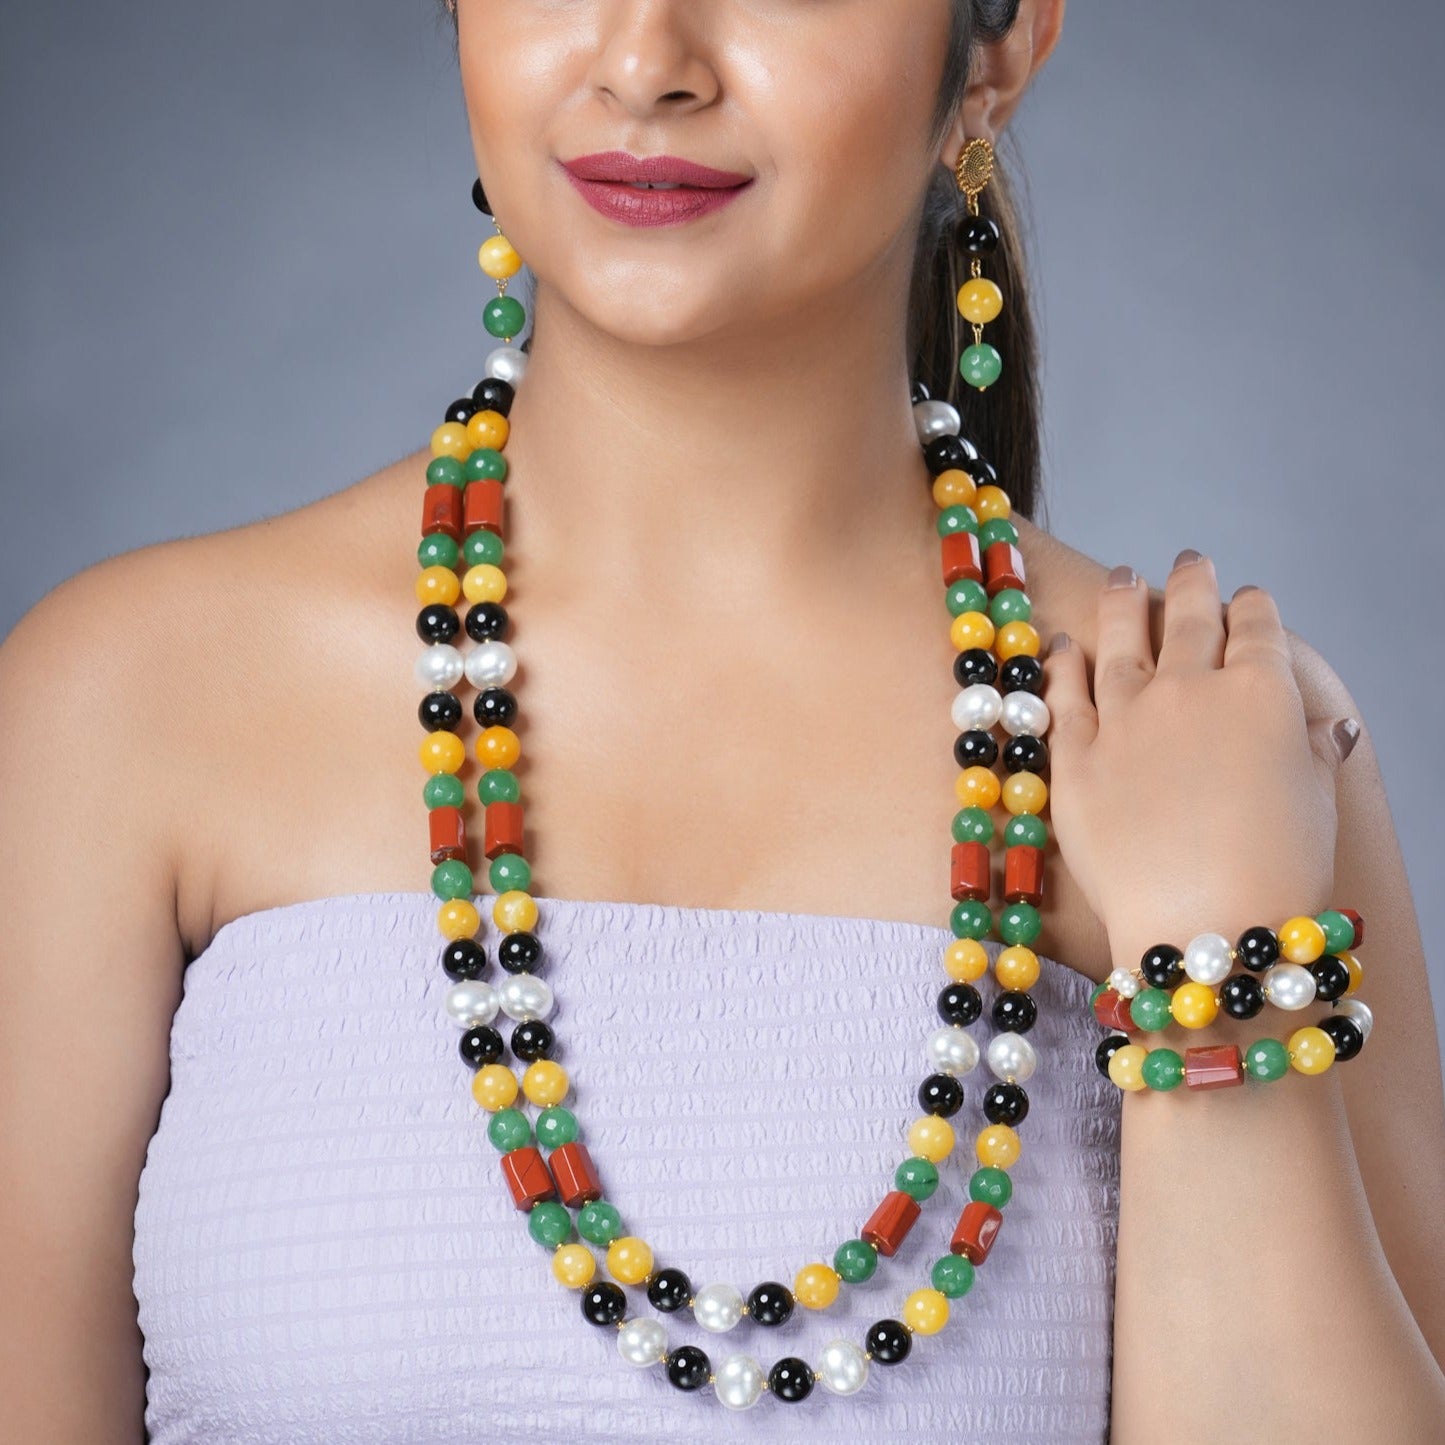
x=653 y=54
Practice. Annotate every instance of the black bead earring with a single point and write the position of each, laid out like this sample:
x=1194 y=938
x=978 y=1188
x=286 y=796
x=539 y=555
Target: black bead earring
x=479 y=198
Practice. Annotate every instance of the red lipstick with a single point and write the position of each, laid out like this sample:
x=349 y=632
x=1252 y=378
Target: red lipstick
x=609 y=182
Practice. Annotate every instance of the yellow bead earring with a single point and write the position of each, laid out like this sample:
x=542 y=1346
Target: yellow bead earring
x=979 y=299
x=505 y=316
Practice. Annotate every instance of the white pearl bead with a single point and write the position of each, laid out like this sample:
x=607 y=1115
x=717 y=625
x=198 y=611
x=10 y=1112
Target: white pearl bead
x=507 y=363
x=1025 y=714
x=472 y=1002
x=1206 y=958
x=1289 y=986
x=935 y=419
x=642 y=1342
x=717 y=1307
x=491 y=664
x=1124 y=983
x=1012 y=1056
x=439 y=666
x=1352 y=1008
x=952 y=1050
x=843 y=1367
x=739 y=1382
x=525 y=996
x=979 y=705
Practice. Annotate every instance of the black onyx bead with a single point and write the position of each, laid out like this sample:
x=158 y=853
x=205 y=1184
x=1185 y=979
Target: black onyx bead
x=533 y=1039
x=983 y=472
x=479 y=197
x=975 y=664
x=771 y=1303
x=603 y=1303
x=1021 y=673
x=888 y=1342
x=948 y=453
x=1258 y=948
x=1005 y=1104
x=482 y=1045
x=440 y=710
x=1108 y=1047
x=791 y=1379
x=1347 y=1034
x=462 y=410
x=1026 y=754
x=437 y=622
x=669 y=1290
x=959 y=1003
x=1331 y=977
x=491 y=393
x=486 y=621
x=1241 y=996
x=1163 y=966
x=1015 y=1011
x=495 y=707
x=919 y=393
x=688 y=1368
x=519 y=952
x=980 y=236
x=940 y=1094
x=975 y=748
x=463 y=958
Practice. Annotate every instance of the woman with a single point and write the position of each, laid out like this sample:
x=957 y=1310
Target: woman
x=720 y=542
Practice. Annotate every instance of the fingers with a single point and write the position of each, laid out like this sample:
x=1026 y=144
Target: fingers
x=1124 y=655
x=1256 y=633
x=1072 y=719
x=1193 y=619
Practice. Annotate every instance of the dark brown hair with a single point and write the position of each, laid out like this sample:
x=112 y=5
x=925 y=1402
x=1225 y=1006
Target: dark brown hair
x=1004 y=421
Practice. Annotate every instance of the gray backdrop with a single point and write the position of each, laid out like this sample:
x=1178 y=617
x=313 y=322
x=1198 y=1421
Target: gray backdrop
x=239 y=271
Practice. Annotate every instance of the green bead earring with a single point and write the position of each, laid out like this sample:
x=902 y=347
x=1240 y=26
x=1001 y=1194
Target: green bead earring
x=979 y=299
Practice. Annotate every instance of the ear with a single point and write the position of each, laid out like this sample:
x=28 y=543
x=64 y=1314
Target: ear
x=1000 y=74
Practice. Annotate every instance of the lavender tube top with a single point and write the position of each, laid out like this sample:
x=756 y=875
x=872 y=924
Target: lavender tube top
x=325 y=1250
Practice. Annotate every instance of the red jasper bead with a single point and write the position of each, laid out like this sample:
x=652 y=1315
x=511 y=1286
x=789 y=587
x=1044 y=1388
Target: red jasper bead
x=1112 y=1010
x=526 y=1174
x=1213 y=1066
x=575 y=1175
x=889 y=1224
x=978 y=1227
x=442 y=511
x=960 y=557
x=482 y=506
x=502 y=825
x=969 y=872
x=448 y=832
x=1004 y=565
x=1023 y=874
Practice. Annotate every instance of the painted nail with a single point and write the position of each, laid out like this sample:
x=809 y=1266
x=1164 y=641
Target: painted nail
x=1346 y=734
x=1186 y=556
x=1123 y=576
x=1248 y=587
x=1057 y=643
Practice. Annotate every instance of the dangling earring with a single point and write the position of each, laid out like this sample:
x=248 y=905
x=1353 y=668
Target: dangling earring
x=505 y=316
x=979 y=299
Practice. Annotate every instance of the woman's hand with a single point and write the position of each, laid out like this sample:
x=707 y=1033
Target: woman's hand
x=1190 y=793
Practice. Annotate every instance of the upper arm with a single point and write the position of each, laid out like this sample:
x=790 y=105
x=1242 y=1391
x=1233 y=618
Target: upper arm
x=90 y=974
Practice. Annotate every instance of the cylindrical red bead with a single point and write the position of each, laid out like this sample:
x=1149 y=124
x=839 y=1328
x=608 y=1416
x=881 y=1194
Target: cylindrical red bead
x=575 y=1175
x=1359 y=924
x=526 y=1173
x=978 y=1227
x=1023 y=874
x=1112 y=1010
x=482 y=506
x=442 y=511
x=960 y=557
x=1213 y=1066
x=448 y=834
x=969 y=875
x=1004 y=565
x=889 y=1224
x=502 y=824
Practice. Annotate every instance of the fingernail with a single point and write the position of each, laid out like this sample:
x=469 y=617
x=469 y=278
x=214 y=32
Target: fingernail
x=1186 y=556
x=1248 y=587
x=1346 y=734
x=1123 y=576
x=1057 y=643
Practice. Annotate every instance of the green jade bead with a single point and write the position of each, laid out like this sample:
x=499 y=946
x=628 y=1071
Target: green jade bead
x=997 y=529
x=452 y=879
x=966 y=595
x=1149 y=1008
x=1266 y=1059
x=498 y=785
x=599 y=1222
x=504 y=317
x=509 y=870
x=485 y=462
x=955 y=519
x=952 y=1276
x=855 y=1260
x=988 y=1185
x=1162 y=1069
x=1026 y=829
x=443 y=790
x=437 y=550
x=1009 y=604
x=549 y=1224
x=444 y=471
x=970 y=918
x=1019 y=923
x=972 y=825
x=556 y=1126
x=483 y=546
x=917 y=1178
x=1339 y=931
x=980 y=365
x=509 y=1130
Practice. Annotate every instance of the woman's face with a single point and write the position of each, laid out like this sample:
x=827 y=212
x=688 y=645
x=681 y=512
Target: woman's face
x=825 y=104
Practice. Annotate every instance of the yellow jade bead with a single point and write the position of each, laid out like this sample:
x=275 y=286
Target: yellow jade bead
x=816 y=1286
x=498 y=747
x=574 y=1265
x=545 y=1083
x=977 y=787
x=498 y=258
x=1302 y=940
x=954 y=488
x=965 y=960
x=1017 y=639
x=494 y=1086
x=458 y=918
x=442 y=752
x=1355 y=967
x=931 y=1138
x=515 y=911
x=1193 y=1005
x=998 y=1146
x=1311 y=1050
x=972 y=629
x=484 y=583
x=925 y=1311
x=488 y=429
x=992 y=502
x=979 y=300
x=1126 y=1067
x=437 y=585
x=629 y=1259
x=450 y=440
x=1024 y=792
x=1016 y=967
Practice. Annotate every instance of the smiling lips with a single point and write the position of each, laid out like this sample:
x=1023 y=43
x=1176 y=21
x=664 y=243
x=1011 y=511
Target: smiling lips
x=652 y=190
